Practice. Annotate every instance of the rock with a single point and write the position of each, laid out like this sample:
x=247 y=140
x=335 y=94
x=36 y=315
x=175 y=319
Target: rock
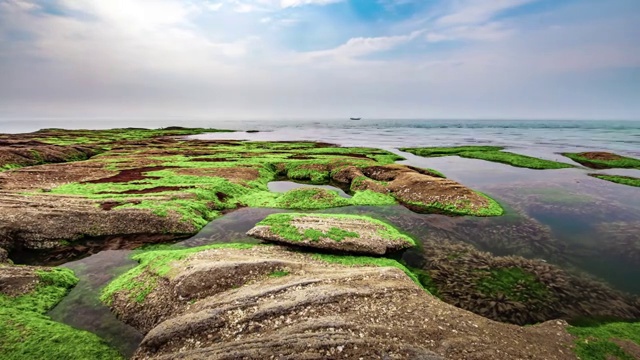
x=421 y=192
x=18 y=280
x=346 y=174
x=4 y=256
x=345 y=233
x=268 y=302
x=48 y=222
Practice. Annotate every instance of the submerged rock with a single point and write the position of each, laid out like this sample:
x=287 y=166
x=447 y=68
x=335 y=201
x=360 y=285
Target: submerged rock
x=266 y=302
x=516 y=290
x=347 y=233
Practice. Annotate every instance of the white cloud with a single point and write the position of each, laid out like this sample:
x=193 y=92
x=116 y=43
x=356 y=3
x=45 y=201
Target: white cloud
x=477 y=11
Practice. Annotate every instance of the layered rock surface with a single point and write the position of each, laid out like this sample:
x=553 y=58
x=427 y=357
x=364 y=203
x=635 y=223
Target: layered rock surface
x=158 y=188
x=268 y=302
x=346 y=233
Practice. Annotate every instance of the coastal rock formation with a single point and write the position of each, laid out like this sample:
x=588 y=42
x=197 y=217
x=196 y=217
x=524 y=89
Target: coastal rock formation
x=603 y=160
x=153 y=187
x=19 y=153
x=345 y=233
x=266 y=302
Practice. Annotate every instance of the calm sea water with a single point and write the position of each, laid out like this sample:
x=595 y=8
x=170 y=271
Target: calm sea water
x=564 y=217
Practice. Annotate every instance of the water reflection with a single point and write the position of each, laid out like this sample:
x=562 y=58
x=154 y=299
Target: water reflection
x=82 y=308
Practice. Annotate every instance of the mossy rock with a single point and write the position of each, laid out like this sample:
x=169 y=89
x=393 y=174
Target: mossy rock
x=27 y=333
x=344 y=233
x=603 y=160
x=618 y=179
x=489 y=153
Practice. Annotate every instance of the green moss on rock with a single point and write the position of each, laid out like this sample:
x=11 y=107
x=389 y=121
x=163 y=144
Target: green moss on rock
x=603 y=160
x=142 y=280
x=489 y=153
x=27 y=333
x=624 y=180
x=602 y=341
x=281 y=225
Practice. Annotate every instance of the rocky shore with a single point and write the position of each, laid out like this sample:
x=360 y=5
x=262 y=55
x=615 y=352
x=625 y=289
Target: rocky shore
x=319 y=286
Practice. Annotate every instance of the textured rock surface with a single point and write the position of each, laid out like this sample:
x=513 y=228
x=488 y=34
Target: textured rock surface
x=227 y=304
x=368 y=236
x=44 y=222
x=18 y=280
x=4 y=258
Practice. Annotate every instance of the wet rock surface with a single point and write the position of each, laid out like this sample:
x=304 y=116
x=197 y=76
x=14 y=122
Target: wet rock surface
x=229 y=304
x=354 y=234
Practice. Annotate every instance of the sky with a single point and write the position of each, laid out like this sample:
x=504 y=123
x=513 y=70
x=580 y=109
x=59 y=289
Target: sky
x=296 y=59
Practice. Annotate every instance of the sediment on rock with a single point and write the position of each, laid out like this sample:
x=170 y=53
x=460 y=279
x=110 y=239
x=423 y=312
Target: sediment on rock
x=266 y=301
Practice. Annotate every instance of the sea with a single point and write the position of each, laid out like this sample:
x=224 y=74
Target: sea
x=564 y=217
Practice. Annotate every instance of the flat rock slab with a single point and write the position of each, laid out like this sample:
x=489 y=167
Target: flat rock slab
x=346 y=233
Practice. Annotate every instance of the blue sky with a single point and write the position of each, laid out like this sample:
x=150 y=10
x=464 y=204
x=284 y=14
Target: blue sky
x=240 y=59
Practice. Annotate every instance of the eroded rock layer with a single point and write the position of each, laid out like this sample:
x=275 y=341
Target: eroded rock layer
x=267 y=302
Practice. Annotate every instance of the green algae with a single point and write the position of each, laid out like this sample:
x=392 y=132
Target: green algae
x=425 y=280
x=489 y=153
x=279 y=273
x=76 y=137
x=206 y=196
x=6 y=167
x=624 y=180
x=621 y=162
x=448 y=151
x=372 y=198
x=460 y=208
x=594 y=342
x=27 y=333
x=154 y=264
x=349 y=260
x=281 y=225
x=513 y=283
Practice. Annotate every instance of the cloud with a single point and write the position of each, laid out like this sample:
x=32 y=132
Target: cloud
x=477 y=11
x=159 y=58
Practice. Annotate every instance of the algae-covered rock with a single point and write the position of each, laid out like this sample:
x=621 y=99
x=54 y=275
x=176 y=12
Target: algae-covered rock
x=26 y=294
x=603 y=160
x=261 y=302
x=421 y=192
x=489 y=153
x=348 y=233
x=154 y=186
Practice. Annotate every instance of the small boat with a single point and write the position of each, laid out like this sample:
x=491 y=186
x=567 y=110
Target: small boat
x=355 y=118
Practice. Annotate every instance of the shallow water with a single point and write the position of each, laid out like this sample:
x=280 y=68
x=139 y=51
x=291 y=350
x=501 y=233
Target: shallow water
x=563 y=216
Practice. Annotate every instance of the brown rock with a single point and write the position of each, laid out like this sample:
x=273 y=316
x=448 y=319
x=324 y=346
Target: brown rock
x=370 y=236
x=235 y=308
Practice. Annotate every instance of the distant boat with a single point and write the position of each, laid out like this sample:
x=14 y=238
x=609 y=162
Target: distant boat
x=355 y=118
